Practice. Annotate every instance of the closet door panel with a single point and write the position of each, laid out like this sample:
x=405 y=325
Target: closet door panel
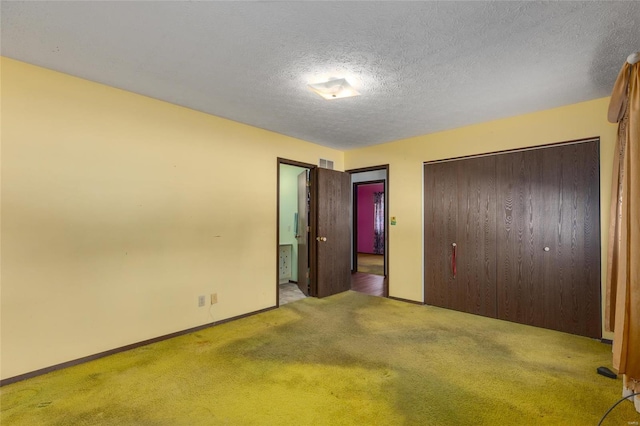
x=476 y=244
x=440 y=216
x=572 y=266
x=555 y=303
x=520 y=237
x=591 y=306
x=527 y=230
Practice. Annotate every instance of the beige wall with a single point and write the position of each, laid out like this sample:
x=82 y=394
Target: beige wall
x=118 y=211
x=406 y=157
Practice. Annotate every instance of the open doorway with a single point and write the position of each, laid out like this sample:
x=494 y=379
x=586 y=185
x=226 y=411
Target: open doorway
x=369 y=239
x=369 y=226
x=294 y=219
x=313 y=225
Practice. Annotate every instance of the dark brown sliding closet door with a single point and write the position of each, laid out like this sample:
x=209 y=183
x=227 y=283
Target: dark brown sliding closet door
x=522 y=225
x=572 y=273
x=476 y=244
x=526 y=225
x=460 y=209
x=441 y=217
x=548 y=240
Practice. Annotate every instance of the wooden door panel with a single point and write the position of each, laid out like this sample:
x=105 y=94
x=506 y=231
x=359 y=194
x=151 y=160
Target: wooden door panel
x=590 y=268
x=551 y=304
x=572 y=264
x=548 y=241
x=475 y=284
x=555 y=301
x=303 y=235
x=333 y=273
x=520 y=237
x=537 y=239
x=440 y=217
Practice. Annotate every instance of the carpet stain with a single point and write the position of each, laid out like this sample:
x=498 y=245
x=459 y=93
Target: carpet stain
x=344 y=360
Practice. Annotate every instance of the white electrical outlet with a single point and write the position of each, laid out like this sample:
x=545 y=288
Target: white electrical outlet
x=201 y=301
x=214 y=298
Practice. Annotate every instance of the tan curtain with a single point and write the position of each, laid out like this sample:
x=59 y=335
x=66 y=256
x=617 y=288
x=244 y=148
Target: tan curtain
x=622 y=308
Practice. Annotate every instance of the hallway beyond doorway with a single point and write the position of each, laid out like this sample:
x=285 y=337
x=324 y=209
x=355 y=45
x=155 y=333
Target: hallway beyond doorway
x=371 y=263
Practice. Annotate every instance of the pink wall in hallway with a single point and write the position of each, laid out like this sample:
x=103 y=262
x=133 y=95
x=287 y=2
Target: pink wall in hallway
x=365 y=216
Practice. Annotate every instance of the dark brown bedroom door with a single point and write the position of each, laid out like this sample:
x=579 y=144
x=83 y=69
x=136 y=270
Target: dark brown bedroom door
x=332 y=238
x=302 y=236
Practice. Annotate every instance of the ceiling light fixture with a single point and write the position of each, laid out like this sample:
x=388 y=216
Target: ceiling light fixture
x=336 y=88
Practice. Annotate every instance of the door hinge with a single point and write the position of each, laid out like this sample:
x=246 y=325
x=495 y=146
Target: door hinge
x=308 y=229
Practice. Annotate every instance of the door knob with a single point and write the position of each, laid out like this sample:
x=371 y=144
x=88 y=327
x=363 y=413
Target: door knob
x=321 y=238
x=547 y=249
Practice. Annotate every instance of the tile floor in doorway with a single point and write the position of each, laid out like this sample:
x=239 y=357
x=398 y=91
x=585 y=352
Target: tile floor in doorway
x=289 y=292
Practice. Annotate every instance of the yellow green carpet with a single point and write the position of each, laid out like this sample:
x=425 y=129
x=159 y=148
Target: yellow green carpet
x=350 y=359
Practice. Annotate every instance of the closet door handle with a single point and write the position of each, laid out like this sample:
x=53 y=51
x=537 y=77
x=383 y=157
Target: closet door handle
x=454 y=266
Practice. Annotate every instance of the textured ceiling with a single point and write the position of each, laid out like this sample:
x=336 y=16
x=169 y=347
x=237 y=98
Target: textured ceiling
x=420 y=67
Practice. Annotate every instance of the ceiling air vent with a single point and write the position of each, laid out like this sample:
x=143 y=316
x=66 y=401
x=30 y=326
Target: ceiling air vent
x=326 y=164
